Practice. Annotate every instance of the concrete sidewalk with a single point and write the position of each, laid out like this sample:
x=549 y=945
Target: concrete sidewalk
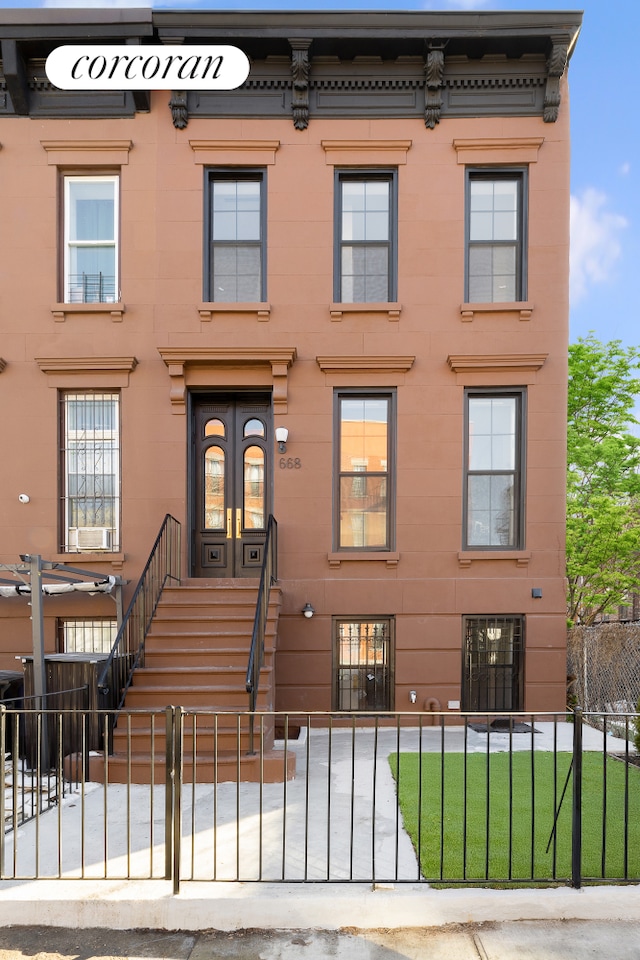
x=525 y=940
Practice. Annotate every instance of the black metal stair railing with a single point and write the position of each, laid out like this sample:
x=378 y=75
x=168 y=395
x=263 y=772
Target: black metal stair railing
x=268 y=576
x=127 y=651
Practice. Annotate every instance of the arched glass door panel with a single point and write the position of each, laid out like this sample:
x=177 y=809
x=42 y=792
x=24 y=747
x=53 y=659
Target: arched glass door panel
x=214 y=477
x=215 y=428
x=253 y=489
x=254 y=428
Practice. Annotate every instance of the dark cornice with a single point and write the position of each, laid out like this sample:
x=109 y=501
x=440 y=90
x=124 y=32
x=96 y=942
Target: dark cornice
x=324 y=63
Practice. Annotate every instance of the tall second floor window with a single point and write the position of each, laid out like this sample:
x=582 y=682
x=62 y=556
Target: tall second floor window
x=496 y=265
x=365 y=268
x=494 y=489
x=364 y=471
x=91 y=239
x=90 y=471
x=236 y=238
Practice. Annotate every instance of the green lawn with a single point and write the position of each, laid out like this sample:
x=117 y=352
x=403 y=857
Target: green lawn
x=502 y=831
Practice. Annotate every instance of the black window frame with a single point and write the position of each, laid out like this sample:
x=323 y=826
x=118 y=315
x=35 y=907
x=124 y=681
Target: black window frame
x=519 y=471
x=493 y=174
x=366 y=175
x=233 y=174
x=355 y=393
x=371 y=676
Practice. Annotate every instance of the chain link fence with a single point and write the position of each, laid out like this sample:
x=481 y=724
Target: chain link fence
x=603 y=667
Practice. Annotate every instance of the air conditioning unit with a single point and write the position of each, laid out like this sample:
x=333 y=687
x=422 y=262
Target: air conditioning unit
x=90 y=538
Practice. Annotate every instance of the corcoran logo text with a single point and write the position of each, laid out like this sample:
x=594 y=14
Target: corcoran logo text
x=147 y=68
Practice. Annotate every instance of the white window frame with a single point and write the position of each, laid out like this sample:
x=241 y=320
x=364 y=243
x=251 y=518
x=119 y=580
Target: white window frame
x=69 y=243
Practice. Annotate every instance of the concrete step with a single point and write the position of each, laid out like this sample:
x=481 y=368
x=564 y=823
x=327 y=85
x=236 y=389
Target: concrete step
x=210 y=734
x=200 y=657
x=273 y=766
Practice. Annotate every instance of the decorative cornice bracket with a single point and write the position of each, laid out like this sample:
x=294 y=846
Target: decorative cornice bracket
x=15 y=75
x=555 y=66
x=434 y=80
x=300 y=71
x=179 y=109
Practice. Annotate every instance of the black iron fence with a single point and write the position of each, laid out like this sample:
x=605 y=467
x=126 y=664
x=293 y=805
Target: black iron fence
x=466 y=800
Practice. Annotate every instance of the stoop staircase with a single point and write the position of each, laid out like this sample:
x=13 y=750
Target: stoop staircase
x=196 y=657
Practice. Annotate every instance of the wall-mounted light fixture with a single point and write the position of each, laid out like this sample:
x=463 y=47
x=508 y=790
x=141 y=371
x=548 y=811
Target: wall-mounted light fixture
x=413 y=696
x=282 y=435
x=536 y=593
x=308 y=611
x=24 y=497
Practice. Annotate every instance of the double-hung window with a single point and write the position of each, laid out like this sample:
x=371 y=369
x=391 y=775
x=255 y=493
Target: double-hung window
x=495 y=247
x=494 y=488
x=90 y=471
x=364 y=471
x=91 y=239
x=366 y=236
x=236 y=245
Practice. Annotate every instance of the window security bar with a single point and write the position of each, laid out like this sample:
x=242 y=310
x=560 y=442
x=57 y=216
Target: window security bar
x=91 y=288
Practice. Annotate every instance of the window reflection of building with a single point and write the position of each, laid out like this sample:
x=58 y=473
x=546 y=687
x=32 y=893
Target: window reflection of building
x=254 y=506
x=214 y=464
x=364 y=457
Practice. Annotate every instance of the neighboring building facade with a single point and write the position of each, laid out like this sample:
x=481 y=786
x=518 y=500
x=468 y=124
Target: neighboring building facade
x=367 y=244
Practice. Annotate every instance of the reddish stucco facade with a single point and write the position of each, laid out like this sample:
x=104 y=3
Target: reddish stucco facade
x=161 y=344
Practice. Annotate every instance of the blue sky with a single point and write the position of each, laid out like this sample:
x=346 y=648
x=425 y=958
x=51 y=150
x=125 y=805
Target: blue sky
x=605 y=94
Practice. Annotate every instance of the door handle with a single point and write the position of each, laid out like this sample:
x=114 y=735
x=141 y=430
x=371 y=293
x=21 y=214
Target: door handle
x=229 y=525
x=238 y=525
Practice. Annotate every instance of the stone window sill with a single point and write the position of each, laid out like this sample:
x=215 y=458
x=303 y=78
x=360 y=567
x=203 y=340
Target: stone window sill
x=262 y=311
x=390 y=557
x=392 y=310
x=102 y=556
x=521 y=558
x=61 y=311
x=521 y=308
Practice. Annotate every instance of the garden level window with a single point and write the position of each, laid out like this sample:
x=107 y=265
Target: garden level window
x=90 y=471
x=493 y=664
x=91 y=239
x=236 y=242
x=86 y=636
x=363 y=664
x=495 y=243
x=365 y=425
x=366 y=237
x=494 y=496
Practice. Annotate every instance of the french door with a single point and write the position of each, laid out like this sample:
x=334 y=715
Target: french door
x=230 y=483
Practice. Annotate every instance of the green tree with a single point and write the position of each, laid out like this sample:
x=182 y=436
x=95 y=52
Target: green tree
x=603 y=483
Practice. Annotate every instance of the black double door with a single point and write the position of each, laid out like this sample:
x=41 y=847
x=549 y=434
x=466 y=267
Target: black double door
x=231 y=474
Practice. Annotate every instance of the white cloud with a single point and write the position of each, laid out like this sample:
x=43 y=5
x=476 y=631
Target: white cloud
x=595 y=241
x=625 y=168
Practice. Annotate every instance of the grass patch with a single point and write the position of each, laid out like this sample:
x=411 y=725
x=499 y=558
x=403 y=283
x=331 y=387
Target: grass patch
x=490 y=817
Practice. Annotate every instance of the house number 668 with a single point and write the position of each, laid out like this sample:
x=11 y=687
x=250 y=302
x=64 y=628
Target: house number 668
x=290 y=463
